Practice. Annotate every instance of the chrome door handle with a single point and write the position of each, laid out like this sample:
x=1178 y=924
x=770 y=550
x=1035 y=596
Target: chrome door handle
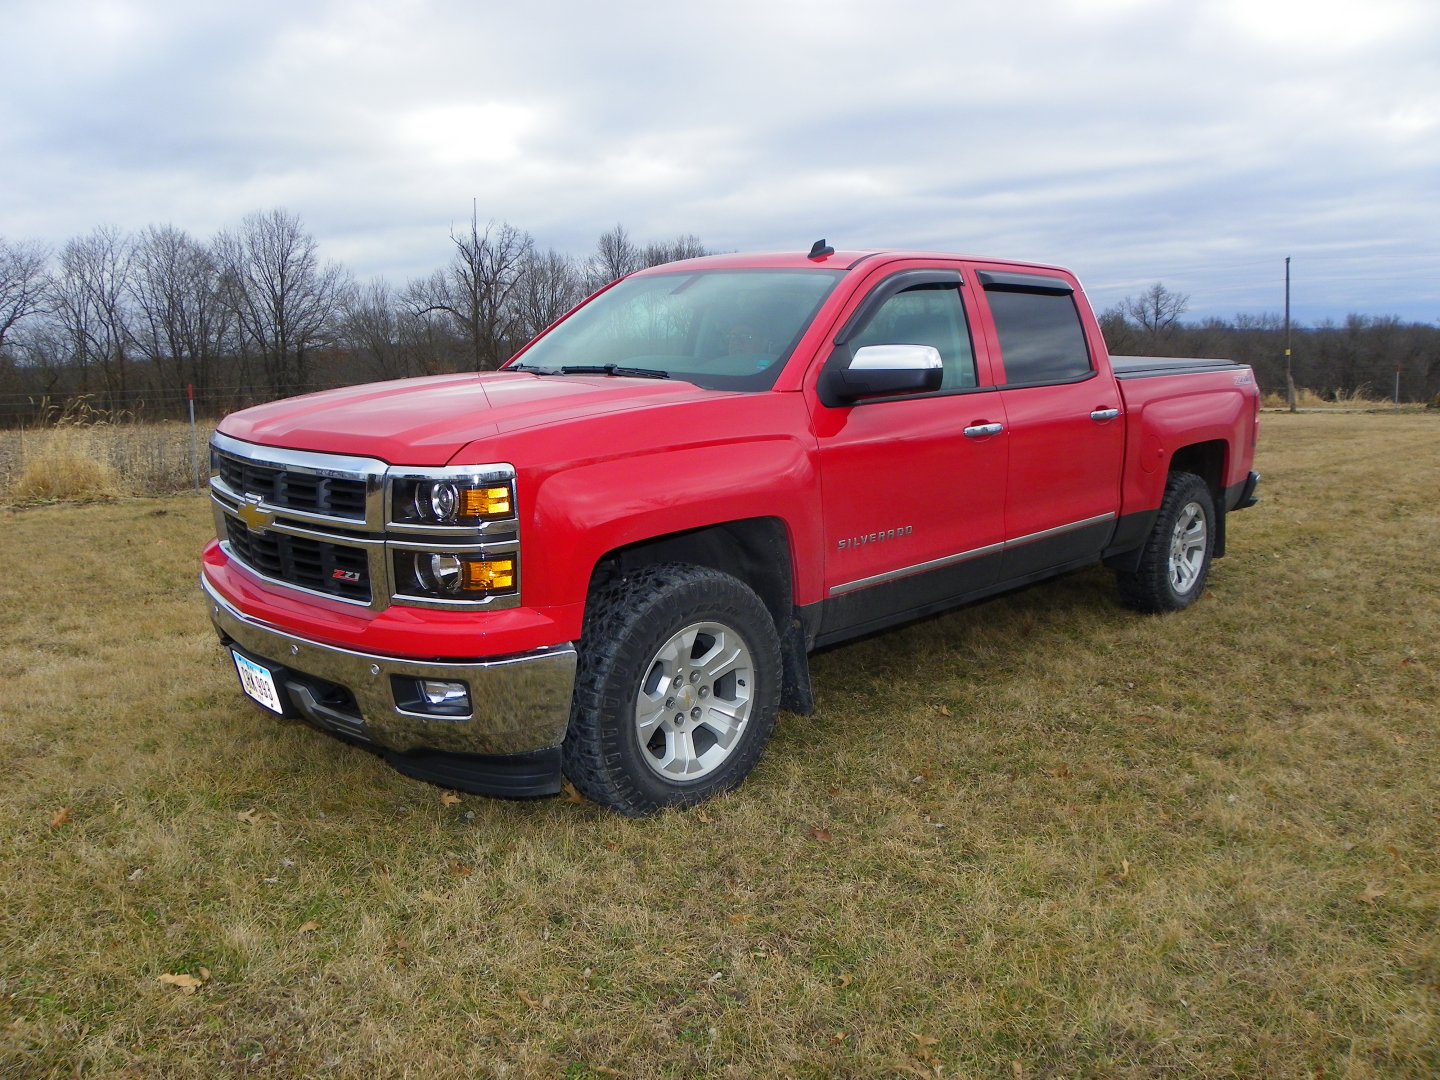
x=979 y=431
x=1101 y=415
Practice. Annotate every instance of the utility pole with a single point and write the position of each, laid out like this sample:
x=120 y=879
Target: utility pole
x=1289 y=375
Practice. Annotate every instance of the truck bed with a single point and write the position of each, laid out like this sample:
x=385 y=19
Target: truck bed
x=1146 y=367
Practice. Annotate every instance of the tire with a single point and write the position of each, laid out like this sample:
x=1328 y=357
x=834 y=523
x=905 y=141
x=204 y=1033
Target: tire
x=1176 y=559
x=677 y=689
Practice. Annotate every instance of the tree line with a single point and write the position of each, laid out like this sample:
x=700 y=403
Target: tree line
x=1361 y=355
x=131 y=322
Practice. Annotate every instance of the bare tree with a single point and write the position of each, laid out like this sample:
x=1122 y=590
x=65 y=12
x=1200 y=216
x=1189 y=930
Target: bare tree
x=1157 y=309
x=284 y=299
x=181 y=322
x=88 y=299
x=687 y=246
x=614 y=257
x=550 y=285
x=23 y=282
x=377 y=327
x=475 y=290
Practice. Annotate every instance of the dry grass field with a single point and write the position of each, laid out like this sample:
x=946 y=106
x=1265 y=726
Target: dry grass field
x=1042 y=837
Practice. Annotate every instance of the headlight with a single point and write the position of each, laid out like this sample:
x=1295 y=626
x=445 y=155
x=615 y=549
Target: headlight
x=451 y=502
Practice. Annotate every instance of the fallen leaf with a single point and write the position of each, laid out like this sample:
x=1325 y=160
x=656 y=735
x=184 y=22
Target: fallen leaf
x=737 y=919
x=1060 y=772
x=249 y=817
x=822 y=835
x=136 y=874
x=460 y=869
x=845 y=979
x=924 y=1042
x=1017 y=1070
x=1124 y=874
x=1371 y=894
x=187 y=984
x=944 y=710
x=449 y=798
x=530 y=1001
x=839 y=1037
x=605 y=1070
x=704 y=818
x=309 y=927
x=62 y=817
x=571 y=793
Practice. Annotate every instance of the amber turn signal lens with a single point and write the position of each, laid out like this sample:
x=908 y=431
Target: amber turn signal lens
x=488 y=502
x=491 y=575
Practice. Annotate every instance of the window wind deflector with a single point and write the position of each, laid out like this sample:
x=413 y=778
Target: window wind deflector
x=905 y=279
x=1036 y=283
x=613 y=369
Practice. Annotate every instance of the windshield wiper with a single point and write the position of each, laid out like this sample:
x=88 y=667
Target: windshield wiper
x=614 y=369
x=533 y=369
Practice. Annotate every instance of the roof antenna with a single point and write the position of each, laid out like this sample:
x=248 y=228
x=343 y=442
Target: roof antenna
x=820 y=250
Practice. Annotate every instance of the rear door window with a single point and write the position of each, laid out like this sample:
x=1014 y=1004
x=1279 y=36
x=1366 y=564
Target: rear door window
x=1041 y=337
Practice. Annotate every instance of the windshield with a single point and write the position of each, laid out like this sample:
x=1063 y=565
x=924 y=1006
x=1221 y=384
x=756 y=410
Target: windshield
x=719 y=329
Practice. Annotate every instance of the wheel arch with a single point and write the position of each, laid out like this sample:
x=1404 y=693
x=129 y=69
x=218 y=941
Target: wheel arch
x=1208 y=460
x=758 y=551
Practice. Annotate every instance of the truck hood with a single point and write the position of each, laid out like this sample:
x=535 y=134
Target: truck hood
x=427 y=421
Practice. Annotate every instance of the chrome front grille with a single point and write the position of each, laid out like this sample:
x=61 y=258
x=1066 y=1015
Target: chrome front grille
x=323 y=523
x=317 y=565
x=292 y=488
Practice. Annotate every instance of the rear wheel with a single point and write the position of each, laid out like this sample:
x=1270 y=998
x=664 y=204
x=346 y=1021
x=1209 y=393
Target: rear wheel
x=677 y=690
x=1176 y=559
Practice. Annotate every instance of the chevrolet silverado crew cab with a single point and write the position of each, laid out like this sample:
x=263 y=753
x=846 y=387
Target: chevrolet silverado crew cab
x=610 y=560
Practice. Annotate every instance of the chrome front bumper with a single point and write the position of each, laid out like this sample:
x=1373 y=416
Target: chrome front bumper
x=519 y=703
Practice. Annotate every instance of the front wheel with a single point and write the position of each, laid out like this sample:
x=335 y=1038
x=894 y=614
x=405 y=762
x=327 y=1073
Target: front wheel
x=677 y=690
x=1176 y=559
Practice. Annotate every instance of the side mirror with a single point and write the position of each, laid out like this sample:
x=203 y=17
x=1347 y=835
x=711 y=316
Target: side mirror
x=885 y=369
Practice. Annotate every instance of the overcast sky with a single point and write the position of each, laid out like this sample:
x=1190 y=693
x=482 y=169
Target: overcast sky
x=1196 y=143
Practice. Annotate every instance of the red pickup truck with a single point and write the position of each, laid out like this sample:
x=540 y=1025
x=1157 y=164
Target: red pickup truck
x=609 y=560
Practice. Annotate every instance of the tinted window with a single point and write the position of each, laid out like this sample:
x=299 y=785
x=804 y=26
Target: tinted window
x=1041 y=339
x=926 y=315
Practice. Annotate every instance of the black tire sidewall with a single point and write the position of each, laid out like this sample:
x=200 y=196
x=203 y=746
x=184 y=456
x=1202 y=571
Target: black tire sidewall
x=623 y=642
x=1148 y=588
x=1184 y=489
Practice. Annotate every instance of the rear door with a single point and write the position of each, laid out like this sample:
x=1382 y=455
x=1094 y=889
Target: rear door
x=913 y=505
x=1064 y=420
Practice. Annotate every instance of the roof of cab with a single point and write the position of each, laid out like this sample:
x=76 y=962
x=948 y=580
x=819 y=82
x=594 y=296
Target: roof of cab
x=839 y=260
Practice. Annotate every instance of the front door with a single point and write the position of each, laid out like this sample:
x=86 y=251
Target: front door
x=913 y=505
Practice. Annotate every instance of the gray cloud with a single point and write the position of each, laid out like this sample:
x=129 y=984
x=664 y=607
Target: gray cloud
x=1198 y=144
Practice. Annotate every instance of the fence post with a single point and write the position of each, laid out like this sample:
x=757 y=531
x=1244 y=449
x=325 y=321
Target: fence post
x=194 y=437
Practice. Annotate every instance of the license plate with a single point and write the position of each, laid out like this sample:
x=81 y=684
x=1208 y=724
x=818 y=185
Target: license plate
x=258 y=683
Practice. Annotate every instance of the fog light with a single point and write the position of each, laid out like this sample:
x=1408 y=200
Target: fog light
x=438 y=692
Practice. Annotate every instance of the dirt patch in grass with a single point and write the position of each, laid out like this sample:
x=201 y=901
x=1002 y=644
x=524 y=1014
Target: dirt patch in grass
x=1040 y=837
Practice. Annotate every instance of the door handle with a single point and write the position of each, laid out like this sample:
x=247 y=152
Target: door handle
x=980 y=431
x=1101 y=415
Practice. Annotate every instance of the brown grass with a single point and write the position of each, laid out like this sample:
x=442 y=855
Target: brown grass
x=1361 y=399
x=1041 y=837
x=78 y=453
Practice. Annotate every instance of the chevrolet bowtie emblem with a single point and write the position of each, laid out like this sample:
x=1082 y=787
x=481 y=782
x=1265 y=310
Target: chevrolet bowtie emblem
x=256 y=518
